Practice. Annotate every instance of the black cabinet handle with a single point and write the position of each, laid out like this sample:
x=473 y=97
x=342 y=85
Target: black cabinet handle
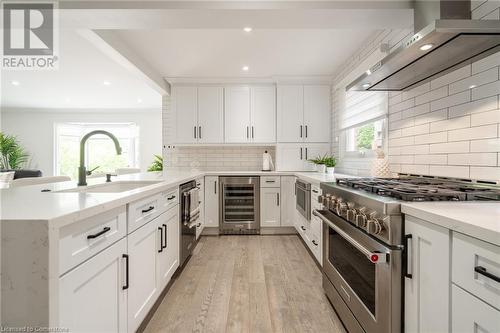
x=126 y=271
x=314 y=242
x=247 y=132
x=300 y=130
x=215 y=187
x=300 y=152
x=277 y=199
x=252 y=133
x=195 y=132
x=199 y=132
x=481 y=270
x=302 y=227
x=164 y=226
x=149 y=209
x=406 y=257
x=306 y=148
x=171 y=198
x=270 y=181
x=306 y=131
x=161 y=239
x=198 y=225
x=315 y=191
x=100 y=233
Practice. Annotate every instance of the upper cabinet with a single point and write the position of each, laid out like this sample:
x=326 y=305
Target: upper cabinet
x=199 y=114
x=303 y=113
x=250 y=114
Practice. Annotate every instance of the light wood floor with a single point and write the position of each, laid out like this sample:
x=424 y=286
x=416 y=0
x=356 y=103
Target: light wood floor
x=247 y=284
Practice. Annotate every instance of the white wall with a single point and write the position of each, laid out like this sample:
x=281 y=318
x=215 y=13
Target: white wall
x=35 y=130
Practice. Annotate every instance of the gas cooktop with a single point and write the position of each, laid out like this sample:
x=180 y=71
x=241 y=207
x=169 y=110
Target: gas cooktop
x=423 y=189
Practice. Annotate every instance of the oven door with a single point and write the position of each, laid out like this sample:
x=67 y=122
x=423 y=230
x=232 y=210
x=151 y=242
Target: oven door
x=303 y=200
x=364 y=272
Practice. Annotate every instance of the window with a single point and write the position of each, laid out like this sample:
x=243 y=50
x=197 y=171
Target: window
x=99 y=150
x=365 y=138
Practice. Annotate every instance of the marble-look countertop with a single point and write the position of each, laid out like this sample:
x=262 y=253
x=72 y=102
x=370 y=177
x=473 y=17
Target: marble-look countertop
x=29 y=203
x=477 y=219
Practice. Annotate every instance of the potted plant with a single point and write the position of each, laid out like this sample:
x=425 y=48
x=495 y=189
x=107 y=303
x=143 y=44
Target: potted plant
x=13 y=156
x=330 y=163
x=315 y=162
x=157 y=164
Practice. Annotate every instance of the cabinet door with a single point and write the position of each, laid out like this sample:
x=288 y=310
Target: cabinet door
x=263 y=114
x=210 y=115
x=427 y=296
x=185 y=106
x=288 y=201
x=143 y=247
x=313 y=150
x=95 y=286
x=212 y=201
x=317 y=112
x=290 y=157
x=168 y=258
x=290 y=113
x=200 y=182
x=270 y=207
x=237 y=114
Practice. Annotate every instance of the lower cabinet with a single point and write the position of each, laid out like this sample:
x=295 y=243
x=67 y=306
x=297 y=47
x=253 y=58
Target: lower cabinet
x=93 y=296
x=270 y=212
x=287 y=201
x=168 y=258
x=427 y=283
x=211 y=201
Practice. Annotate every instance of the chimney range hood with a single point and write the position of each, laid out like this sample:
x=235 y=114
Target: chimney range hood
x=446 y=39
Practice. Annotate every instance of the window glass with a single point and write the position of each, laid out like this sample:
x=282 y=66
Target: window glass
x=367 y=137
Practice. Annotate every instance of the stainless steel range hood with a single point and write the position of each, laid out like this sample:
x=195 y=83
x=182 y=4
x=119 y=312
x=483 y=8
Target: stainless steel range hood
x=447 y=39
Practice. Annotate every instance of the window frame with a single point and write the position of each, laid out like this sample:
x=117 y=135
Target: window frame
x=363 y=154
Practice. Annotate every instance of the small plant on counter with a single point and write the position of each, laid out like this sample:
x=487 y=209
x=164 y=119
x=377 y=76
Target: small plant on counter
x=157 y=164
x=330 y=161
x=12 y=154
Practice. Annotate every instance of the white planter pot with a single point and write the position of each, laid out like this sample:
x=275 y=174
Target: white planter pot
x=321 y=168
x=330 y=171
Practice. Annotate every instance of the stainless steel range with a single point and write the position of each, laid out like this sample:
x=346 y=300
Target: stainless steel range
x=363 y=244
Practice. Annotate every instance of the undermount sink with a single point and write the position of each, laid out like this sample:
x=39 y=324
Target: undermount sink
x=112 y=187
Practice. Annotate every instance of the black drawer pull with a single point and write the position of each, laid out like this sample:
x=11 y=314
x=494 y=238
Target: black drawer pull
x=149 y=209
x=481 y=270
x=270 y=181
x=160 y=229
x=302 y=227
x=314 y=242
x=407 y=261
x=126 y=271
x=171 y=198
x=315 y=191
x=164 y=226
x=100 y=233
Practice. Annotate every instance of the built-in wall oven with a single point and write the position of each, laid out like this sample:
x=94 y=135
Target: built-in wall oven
x=303 y=198
x=239 y=205
x=190 y=215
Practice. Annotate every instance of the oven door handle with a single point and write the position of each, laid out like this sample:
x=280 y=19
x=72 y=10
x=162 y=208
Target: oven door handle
x=374 y=256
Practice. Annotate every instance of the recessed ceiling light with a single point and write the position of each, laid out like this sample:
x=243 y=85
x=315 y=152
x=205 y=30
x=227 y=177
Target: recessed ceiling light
x=106 y=83
x=366 y=85
x=426 y=47
x=245 y=68
x=472 y=86
x=15 y=83
x=139 y=100
x=247 y=29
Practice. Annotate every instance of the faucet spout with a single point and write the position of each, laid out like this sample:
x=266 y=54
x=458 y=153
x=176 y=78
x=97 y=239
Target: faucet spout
x=82 y=172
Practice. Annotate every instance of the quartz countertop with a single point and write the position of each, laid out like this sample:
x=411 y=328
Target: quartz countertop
x=62 y=208
x=477 y=219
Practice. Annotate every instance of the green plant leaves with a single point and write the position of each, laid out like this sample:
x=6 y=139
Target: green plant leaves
x=157 y=164
x=12 y=154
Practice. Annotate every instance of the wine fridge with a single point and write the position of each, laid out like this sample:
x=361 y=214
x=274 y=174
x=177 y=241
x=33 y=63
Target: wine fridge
x=239 y=205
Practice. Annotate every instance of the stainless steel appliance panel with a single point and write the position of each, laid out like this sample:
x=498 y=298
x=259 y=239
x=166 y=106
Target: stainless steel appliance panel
x=303 y=198
x=190 y=214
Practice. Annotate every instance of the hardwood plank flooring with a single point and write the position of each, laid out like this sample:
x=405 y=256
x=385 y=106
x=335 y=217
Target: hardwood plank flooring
x=247 y=284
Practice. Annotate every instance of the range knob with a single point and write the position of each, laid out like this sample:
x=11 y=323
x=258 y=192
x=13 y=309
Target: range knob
x=341 y=208
x=376 y=225
x=351 y=212
x=360 y=218
x=332 y=202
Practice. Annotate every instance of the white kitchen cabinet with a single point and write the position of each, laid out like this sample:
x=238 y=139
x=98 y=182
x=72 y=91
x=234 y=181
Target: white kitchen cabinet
x=200 y=183
x=168 y=258
x=185 y=104
x=470 y=314
x=317 y=112
x=288 y=211
x=237 y=114
x=303 y=113
x=295 y=157
x=211 y=201
x=92 y=297
x=250 y=114
x=427 y=291
x=144 y=245
x=199 y=114
x=263 y=114
x=270 y=207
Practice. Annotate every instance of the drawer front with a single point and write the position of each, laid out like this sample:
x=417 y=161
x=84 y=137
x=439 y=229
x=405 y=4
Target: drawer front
x=315 y=193
x=316 y=246
x=144 y=210
x=82 y=240
x=316 y=225
x=475 y=265
x=270 y=181
x=169 y=199
x=470 y=314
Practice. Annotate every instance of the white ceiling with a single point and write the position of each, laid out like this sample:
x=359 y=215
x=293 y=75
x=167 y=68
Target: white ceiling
x=78 y=83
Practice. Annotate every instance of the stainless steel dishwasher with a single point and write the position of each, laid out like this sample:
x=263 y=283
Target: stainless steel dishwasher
x=239 y=205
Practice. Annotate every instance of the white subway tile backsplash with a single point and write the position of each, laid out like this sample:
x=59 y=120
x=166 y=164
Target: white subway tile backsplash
x=485 y=173
x=494 y=15
x=449 y=147
x=450 y=124
x=484 y=9
x=481 y=159
x=416 y=169
x=484 y=118
x=402 y=141
x=451 y=77
x=477 y=80
x=419 y=90
x=485 y=104
x=401 y=123
x=488 y=145
x=478 y=132
x=416 y=111
x=431 y=117
x=451 y=100
x=431 y=159
x=449 y=171
x=415 y=130
x=401 y=159
x=417 y=149
x=394 y=134
x=490 y=89
x=486 y=63
x=402 y=106
x=432 y=138
x=432 y=95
